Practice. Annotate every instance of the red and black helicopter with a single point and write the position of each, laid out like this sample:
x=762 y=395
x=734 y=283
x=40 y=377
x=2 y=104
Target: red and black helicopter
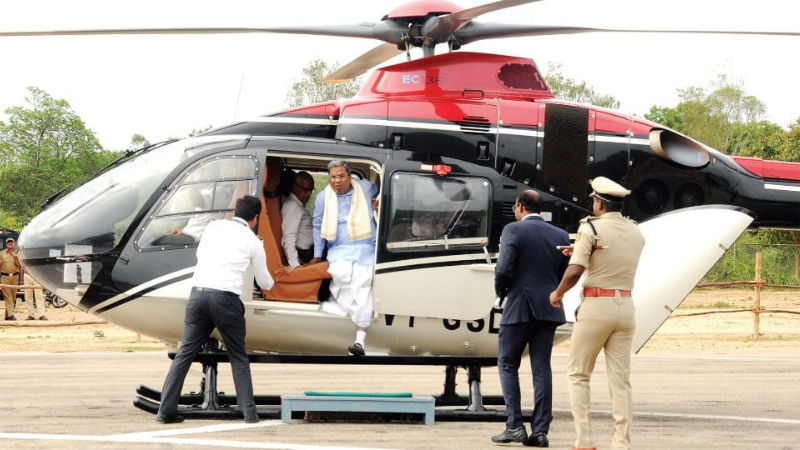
x=450 y=139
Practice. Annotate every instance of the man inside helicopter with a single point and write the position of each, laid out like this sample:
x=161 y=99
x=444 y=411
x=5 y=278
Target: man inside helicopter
x=344 y=224
x=298 y=240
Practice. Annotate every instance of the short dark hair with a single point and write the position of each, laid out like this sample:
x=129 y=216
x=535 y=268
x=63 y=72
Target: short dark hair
x=247 y=207
x=611 y=206
x=529 y=199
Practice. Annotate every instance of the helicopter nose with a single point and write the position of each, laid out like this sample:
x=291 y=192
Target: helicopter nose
x=69 y=244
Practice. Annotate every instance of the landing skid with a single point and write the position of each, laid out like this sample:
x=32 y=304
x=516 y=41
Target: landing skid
x=211 y=404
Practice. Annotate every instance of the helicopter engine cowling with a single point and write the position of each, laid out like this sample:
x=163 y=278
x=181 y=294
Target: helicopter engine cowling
x=678 y=149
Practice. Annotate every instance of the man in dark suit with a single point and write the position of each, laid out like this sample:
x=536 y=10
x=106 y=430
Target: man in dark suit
x=528 y=268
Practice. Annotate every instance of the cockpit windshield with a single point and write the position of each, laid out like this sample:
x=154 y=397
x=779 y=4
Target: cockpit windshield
x=94 y=217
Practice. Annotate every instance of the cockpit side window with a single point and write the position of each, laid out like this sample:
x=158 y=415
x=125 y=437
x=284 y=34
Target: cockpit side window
x=430 y=212
x=207 y=192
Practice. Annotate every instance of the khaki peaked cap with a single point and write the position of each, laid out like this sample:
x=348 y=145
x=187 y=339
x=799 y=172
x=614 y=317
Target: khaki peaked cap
x=609 y=190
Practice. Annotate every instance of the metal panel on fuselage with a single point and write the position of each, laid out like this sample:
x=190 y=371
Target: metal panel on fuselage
x=465 y=130
x=519 y=140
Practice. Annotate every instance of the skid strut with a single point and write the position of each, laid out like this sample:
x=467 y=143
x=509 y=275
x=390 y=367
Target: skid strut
x=208 y=403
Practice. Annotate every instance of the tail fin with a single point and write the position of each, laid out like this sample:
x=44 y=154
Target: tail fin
x=680 y=248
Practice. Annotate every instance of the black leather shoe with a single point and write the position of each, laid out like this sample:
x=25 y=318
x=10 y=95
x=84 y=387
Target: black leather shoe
x=11 y=317
x=356 y=349
x=511 y=435
x=169 y=419
x=251 y=419
x=537 y=440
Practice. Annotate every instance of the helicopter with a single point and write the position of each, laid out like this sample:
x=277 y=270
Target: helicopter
x=450 y=139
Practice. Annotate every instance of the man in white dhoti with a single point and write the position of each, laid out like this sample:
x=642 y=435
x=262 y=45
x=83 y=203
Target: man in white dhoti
x=344 y=223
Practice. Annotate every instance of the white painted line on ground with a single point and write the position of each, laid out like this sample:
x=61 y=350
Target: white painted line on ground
x=721 y=358
x=696 y=416
x=716 y=417
x=704 y=357
x=195 y=430
x=172 y=440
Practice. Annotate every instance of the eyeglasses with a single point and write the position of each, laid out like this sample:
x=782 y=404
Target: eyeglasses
x=307 y=189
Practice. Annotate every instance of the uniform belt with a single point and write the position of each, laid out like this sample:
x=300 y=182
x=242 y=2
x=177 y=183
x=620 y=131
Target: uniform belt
x=213 y=291
x=600 y=292
x=9 y=274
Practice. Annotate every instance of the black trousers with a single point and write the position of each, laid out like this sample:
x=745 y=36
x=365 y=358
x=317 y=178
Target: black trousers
x=513 y=338
x=205 y=311
x=305 y=254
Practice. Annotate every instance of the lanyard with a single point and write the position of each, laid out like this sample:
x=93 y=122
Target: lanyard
x=241 y=221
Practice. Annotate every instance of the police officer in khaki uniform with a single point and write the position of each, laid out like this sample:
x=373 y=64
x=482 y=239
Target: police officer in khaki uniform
x=9 y=274
x=607 y=247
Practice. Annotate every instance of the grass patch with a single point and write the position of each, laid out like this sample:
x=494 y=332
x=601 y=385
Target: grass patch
x=140 y=349
x=721 y=305
x=715 y=305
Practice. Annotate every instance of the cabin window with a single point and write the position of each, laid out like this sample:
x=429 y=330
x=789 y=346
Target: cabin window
x=207 y=192
x=431 y=212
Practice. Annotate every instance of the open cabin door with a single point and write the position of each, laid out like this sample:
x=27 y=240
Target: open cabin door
x=430 y=259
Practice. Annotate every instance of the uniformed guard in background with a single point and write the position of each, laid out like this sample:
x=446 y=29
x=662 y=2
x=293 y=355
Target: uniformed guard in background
x=9 y=274
x=607 y=247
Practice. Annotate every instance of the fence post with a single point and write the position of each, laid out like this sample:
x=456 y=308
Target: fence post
x=757 y=299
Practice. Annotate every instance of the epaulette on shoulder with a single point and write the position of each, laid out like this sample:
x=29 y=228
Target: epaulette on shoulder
x=630 y=220
x=589 y=219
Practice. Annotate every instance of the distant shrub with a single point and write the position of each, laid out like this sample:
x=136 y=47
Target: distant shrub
x=777 y=265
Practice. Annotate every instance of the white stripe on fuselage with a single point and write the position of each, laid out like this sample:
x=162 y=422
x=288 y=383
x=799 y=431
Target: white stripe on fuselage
x=781 y=187
x=143 y=286
x=300 y=120
x=441 y=127
x=475 y=257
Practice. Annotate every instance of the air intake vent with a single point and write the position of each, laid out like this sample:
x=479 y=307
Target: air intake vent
x=508 y=210
x=521 y=76
x=475 y=124
x=566 y=146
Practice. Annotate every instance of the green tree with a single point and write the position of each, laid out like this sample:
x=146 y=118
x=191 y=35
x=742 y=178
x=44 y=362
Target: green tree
x=138 y=142
x=568 y=89
x=758 y=139
x=311 y=89
x=199 y=131
x=789 y=143
x=727 y=118
x=44 y=147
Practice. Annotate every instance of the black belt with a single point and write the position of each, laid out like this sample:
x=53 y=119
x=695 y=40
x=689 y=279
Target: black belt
x=213 y=291
x=9 y=274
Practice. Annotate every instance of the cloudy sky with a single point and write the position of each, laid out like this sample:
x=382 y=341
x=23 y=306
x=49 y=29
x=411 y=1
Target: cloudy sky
x=163 y=86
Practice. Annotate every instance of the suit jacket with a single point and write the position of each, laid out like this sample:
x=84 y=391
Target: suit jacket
x=528 y=269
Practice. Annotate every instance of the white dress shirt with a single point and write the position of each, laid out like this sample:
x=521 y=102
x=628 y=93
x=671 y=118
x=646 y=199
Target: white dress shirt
x=296 y=228
x=226 y=250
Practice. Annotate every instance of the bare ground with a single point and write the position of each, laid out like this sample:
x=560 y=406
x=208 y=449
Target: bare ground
x=70 y=330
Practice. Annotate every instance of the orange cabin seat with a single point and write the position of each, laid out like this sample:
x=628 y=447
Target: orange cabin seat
x=298 y=285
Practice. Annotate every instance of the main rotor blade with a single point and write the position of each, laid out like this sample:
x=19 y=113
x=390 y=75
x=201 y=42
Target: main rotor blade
x=363 y=63
x=439 y=28
x=388 y=31
x=477 y=31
